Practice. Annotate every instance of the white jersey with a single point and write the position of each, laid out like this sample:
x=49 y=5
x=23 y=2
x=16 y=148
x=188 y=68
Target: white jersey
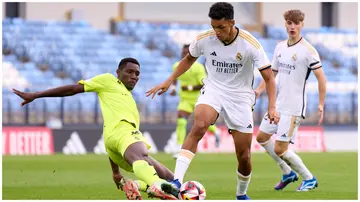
x=294 y=64
x=230 y=67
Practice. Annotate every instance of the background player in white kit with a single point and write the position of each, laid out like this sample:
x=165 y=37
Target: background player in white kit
x=231 y=55
x=293 y=62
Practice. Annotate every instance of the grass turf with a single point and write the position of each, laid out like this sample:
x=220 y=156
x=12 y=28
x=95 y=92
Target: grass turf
x=89 y=176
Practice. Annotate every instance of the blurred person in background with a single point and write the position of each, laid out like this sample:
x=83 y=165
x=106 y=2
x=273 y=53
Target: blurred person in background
x=293 y=61
x=124 y=143
x=190 y=85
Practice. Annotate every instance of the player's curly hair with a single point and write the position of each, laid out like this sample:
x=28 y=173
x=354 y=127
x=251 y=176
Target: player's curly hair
x=294 y=15
x=124 y=61
x=221 y=10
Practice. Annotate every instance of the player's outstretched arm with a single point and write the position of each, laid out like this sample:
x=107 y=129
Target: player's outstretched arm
x=183 y=66
x=61 y=91
x=320 y=76
x=271 y=91
x=261 y=88
x=116 y=173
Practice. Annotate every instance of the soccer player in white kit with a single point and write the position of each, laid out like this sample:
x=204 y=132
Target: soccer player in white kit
x=293 y=62
x=231 y=56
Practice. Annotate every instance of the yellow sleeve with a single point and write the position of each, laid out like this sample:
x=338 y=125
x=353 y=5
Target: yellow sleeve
x=201 y=74
x=97 y=83
x=175 y=66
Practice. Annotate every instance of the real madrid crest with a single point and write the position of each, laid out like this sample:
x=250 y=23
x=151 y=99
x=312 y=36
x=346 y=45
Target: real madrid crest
x=294 y=57
x=238 y=56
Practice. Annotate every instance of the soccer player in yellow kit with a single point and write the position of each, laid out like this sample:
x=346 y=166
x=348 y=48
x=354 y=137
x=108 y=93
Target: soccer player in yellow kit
x=125 y=145
x=190 y=86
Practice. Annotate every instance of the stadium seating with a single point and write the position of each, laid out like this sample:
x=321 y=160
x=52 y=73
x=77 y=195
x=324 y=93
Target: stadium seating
x=39 y=55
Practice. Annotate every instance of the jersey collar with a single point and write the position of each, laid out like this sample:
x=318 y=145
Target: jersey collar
x=294 y=43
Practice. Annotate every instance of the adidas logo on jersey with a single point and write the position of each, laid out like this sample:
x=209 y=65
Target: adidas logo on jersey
x=74 y=145
x=249 y=126
x=213 y=54
x=284 y=135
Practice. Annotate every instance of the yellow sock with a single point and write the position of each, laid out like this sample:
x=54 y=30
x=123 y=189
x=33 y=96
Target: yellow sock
x=212 y=128
x=142 y=185
x=144 y=172
x=181 y=130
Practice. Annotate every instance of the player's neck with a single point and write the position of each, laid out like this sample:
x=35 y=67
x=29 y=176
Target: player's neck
x=233 y=34
x=294 y=40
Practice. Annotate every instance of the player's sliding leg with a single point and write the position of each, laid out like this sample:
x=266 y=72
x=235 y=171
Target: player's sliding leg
x=181 y=125
x=295 y=162
x=268 y=144
x=162 y=171
x=204 y=115
x=242 y=143
x=136 y=155
x=217 y=133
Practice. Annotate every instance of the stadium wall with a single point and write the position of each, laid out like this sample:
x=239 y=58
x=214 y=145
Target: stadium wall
x=162 y=138
x=99 y=14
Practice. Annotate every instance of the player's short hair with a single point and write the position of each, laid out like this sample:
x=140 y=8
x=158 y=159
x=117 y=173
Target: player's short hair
x=294 y=15
x=221 y=10
x=124 y=61
x=186 y=45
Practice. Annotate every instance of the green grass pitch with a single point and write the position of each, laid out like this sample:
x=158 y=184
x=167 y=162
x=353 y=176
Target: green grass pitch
x=89 y=176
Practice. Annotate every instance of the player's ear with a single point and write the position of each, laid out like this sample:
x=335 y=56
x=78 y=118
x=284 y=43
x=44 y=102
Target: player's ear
x=232 y=22
x=118 y=71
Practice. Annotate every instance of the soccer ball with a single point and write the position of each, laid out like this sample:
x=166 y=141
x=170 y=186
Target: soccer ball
x=192 y=190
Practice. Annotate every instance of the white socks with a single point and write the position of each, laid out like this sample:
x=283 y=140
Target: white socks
x=242 y=183
x=182 y=164
x=296 y=164
x=269 y=147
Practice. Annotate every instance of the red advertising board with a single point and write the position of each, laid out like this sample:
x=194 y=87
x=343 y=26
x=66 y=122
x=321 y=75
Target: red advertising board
x=27 y=141
x=308 y=139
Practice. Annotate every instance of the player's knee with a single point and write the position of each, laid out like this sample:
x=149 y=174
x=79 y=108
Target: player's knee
x=279 y=150
x=245 y=156
x=199 y=128
x=262 y=137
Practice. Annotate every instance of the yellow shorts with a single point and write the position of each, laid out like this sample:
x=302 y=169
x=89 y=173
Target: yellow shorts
x=186 y=105
x=119 y=140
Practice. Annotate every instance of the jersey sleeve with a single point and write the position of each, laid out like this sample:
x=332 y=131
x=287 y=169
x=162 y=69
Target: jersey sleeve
x=96 y=83
x=313 y=59
x=195 y=48
x=260 y=59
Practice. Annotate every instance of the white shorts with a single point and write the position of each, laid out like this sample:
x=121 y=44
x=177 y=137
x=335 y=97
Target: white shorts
x=286 y=129
x=237 y=113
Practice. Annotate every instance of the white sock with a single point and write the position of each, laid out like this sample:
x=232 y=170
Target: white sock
x=182 y=163
x=269 y=147
x=242 y=183
x=296 y=163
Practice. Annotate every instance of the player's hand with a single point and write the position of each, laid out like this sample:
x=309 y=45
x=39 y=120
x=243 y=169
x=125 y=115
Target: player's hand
x=173 y=93
x=257 y=94
x=163 y=87
x=27 y=97
x=273 y=115
x=321 y=114
x=117 y=178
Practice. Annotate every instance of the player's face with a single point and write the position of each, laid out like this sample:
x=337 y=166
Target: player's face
x=293 y=28
x=223 y=28
x=129 y=75
x=184 y=52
